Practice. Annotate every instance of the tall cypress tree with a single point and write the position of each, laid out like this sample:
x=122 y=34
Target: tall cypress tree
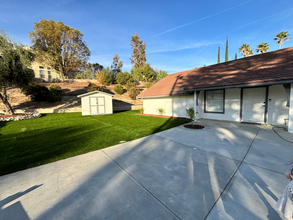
x=226 y=53
x=218 y=54
x=235 y=56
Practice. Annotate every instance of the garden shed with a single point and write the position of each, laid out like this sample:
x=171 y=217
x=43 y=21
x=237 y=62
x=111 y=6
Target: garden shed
x=96 y=103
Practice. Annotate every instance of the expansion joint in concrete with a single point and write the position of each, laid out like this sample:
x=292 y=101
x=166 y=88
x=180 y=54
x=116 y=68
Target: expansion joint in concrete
x=232 y=175
x=141 y=185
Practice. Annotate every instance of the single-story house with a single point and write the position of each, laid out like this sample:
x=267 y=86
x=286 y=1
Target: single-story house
x=96 y=103
x=256 y=89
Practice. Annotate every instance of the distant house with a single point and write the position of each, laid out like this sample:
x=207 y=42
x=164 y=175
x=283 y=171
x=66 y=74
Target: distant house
x=45 y=73
x=257 y=89
x=42 y=72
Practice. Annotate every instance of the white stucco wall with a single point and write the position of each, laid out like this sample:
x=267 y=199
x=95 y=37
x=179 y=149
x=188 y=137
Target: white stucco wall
x=277 y=110
x=173 y=106
x=85 y=103
x=232 y=106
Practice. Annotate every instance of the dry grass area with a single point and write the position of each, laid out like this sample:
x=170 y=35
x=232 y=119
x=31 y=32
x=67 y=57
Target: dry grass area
x=69 y=97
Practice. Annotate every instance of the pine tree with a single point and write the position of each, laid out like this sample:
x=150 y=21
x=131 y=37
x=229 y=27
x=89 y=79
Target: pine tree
x=138 y=57
x=226 y=53
x=235 y=56
x=219 y=55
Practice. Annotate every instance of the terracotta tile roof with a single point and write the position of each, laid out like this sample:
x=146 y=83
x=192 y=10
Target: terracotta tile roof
x=263 y=68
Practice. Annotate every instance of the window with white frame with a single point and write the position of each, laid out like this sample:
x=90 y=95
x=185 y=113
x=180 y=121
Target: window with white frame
x=214 y=101
x=49 y=74
x=42 y=72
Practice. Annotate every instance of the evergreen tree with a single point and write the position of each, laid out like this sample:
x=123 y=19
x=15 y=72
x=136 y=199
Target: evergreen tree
x=226 y=53
x=219 y=55
x=116 y=65
x=138 y=57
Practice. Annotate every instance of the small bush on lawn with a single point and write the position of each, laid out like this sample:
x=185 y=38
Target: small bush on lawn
x=93 y=87
x=129 y=85
x=133 y=92
x=118 y=89
x=37 y=92
x=55 y=87
x=148 y=85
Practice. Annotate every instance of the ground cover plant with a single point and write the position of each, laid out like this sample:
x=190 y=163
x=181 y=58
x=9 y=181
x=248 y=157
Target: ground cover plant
x=53 y=137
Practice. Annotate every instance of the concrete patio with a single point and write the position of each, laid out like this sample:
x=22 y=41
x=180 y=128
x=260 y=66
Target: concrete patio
x=225 y=171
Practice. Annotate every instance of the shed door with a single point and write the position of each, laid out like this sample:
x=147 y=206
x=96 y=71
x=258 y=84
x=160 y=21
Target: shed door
x=97 y=105
x=254 y=105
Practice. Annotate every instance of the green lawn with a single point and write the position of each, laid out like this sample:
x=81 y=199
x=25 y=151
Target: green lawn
x=29 y=143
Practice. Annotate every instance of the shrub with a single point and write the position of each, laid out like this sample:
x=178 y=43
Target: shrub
x=133 y=92
x=36 y=92
x=93 y=87
x=55 y=87
x=190 y=113
x=141 y=110
x=161 y=111
x=108 y=79
x=118 y=89
x=129 y=85
x=148 y=85
x=54 y=95
x=123 y=78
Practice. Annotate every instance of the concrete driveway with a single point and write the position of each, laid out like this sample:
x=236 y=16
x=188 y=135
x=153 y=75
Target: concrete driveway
x=225 y=171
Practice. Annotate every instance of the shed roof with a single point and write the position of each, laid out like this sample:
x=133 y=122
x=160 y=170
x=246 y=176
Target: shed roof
x=94 y=92
x=275 y=66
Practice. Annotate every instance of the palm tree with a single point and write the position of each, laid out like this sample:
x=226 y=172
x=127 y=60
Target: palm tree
x=245 y=50
x=281 y=38
x=263 y=47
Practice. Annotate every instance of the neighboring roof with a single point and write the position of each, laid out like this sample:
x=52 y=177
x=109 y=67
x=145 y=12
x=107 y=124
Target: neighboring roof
x=94 y=92
x=275 y=66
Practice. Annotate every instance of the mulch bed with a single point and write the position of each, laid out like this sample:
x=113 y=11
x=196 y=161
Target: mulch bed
x=15 y=115
x=164 y=116
x=194 y=126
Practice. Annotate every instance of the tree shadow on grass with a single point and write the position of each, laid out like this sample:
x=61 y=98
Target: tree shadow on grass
x=2 y=124
x=22 y=150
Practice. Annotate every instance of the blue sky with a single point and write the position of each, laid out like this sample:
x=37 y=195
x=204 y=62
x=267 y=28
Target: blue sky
x=179 y=35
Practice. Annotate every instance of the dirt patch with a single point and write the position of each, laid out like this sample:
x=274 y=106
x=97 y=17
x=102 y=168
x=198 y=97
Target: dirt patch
x=194 y=126
x=164 y=116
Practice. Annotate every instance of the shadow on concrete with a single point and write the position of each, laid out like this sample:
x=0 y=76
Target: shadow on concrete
x=236 y=201
x=177 y=181
x=16 y=208
x=184 y=181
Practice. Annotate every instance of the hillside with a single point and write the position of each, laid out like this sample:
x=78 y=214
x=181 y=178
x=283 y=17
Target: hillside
x=70 y=102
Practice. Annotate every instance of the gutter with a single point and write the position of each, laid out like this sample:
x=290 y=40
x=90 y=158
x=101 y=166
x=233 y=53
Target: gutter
x=162 y=96
x=242 y=86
